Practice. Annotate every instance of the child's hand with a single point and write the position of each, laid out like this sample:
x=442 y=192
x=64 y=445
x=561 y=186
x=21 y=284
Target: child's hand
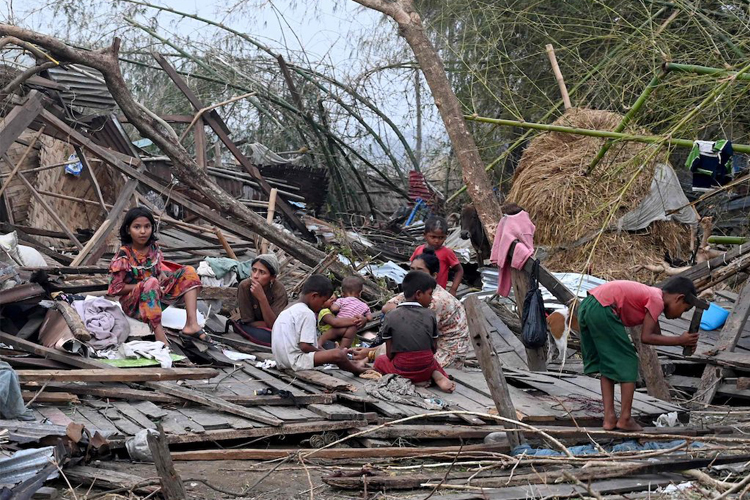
x=689 y=339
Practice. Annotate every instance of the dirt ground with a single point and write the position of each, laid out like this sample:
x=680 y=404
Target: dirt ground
x=285 y=483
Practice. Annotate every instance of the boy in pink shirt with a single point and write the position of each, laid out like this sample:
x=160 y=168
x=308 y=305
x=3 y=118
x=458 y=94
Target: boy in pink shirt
x=435 y=234
x=606 y=347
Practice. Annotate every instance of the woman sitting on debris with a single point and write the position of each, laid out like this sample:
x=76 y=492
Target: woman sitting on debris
x=261 y=298
x=144 y=280
x=453 y=342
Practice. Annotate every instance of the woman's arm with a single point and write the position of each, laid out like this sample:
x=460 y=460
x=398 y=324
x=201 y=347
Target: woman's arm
x=269 y=315
x=336 y=322
x=457 y=277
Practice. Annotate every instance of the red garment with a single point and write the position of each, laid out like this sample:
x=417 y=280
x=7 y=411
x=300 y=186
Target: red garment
x=447 y=258
x=512 y=228
x=417 y=366
x=630 y=300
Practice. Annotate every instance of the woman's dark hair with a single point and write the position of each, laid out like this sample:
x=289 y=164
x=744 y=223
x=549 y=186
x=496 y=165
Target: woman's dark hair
x=511 y=209
x=436 y=223
x=132 y=215
x=430 y=259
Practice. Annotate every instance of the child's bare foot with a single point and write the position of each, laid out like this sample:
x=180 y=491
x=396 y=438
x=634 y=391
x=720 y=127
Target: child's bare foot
x=445 y=384
x=610 y=422
x=628 y=425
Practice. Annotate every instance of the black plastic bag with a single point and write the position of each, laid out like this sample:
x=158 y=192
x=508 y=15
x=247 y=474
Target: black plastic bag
x=534 y=333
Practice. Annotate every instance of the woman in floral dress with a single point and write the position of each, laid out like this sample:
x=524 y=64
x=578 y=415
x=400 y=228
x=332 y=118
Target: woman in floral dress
x=144 y=281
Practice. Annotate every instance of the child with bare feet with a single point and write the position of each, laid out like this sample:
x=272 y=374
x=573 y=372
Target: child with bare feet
x=294 y=338
x=410 y=333
x=606 y=346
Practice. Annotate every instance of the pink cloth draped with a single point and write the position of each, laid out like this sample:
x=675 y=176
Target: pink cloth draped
x=512 y=228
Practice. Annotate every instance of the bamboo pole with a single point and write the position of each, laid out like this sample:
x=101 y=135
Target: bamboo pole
x=604 y=134
x=558 y=75
x=705 y=70
x=626 y=119
x=269 y=217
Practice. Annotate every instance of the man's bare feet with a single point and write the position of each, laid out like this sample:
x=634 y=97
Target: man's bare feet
x=445 y=384
x=610 y=422
x=628 y=425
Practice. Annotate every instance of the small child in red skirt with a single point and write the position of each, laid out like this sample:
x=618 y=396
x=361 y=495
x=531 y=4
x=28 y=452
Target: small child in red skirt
x=410 y=333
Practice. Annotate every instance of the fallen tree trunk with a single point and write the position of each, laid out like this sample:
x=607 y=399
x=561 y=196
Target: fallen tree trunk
x=184 y=166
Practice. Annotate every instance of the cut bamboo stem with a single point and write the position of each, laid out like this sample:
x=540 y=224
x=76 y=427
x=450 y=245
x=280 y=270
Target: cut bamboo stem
x=225 y=244
x=269 y=217
x=605 y=134
x=558 y=76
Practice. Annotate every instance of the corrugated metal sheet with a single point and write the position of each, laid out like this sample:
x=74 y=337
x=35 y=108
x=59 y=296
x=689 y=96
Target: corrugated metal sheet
x=31 y=432
x=418 y=188
x=85 y=88
x=25 y=464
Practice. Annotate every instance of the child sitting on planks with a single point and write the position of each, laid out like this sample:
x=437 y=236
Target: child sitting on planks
x=410 y=333
x=345 y=315
x=435 y=234
x=606 y=346
x=294 y=338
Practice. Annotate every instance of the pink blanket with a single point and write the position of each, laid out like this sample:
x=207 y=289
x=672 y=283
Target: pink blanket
x=512 y=228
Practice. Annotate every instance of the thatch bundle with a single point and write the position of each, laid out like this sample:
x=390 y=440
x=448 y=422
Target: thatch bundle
x=566 y=205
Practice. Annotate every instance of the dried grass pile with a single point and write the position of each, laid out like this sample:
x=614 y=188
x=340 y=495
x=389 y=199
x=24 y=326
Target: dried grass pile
x=566 y=205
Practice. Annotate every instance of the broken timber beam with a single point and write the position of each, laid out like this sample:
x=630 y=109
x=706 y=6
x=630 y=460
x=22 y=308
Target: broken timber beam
x=172 y=487
x=491 y=365
x=19 y=119
x=214 y=402
x=650 y=367
x=71 y=317
x=213 y=120
x=535 y=358
x=727 y=341
x=116 y=375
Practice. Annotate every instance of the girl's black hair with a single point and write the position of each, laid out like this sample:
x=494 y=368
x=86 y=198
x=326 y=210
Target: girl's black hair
x=430 y=259
x=132 y=215
x=436 y=223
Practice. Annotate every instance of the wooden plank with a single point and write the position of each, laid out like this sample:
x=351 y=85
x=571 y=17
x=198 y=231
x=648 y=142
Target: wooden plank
x=491 y=365
x=55 y=416
x=18 y=119
x=650 y=366
x=336 y=453
x=172 y=487
x=127 y=426
x=50 y=397
x=149 y=409
x=133 y=414
x=339 y=412
x=507 y=337
x=728 y=338
x=536 y=359
x=110 y=392
x=214 y=402
x=291 y=413
x=199 y=136
x=213 y=120
x=88 y=172
x=175 y=423
x=268 y=431
x=115 y=375
x=98 y=420
x=207 y=419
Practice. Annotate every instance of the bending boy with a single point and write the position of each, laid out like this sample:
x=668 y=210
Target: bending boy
x=606 y=346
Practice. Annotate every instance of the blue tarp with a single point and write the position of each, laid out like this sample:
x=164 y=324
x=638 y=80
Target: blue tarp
x=590 y=449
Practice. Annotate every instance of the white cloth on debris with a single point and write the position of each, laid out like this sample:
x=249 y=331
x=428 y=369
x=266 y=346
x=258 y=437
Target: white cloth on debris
x=150 y=350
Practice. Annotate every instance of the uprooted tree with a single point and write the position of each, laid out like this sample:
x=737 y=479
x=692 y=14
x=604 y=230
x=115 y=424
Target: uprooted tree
x=185 y=167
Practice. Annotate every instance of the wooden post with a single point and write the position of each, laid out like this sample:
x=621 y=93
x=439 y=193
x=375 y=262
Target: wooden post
x=225 y=244
x=650 y=367
x=727 y=341
x=199 y=136
x=269 y=216
x=171 y=483
x=492 y=367
x=558 y=76
x=536 y=358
